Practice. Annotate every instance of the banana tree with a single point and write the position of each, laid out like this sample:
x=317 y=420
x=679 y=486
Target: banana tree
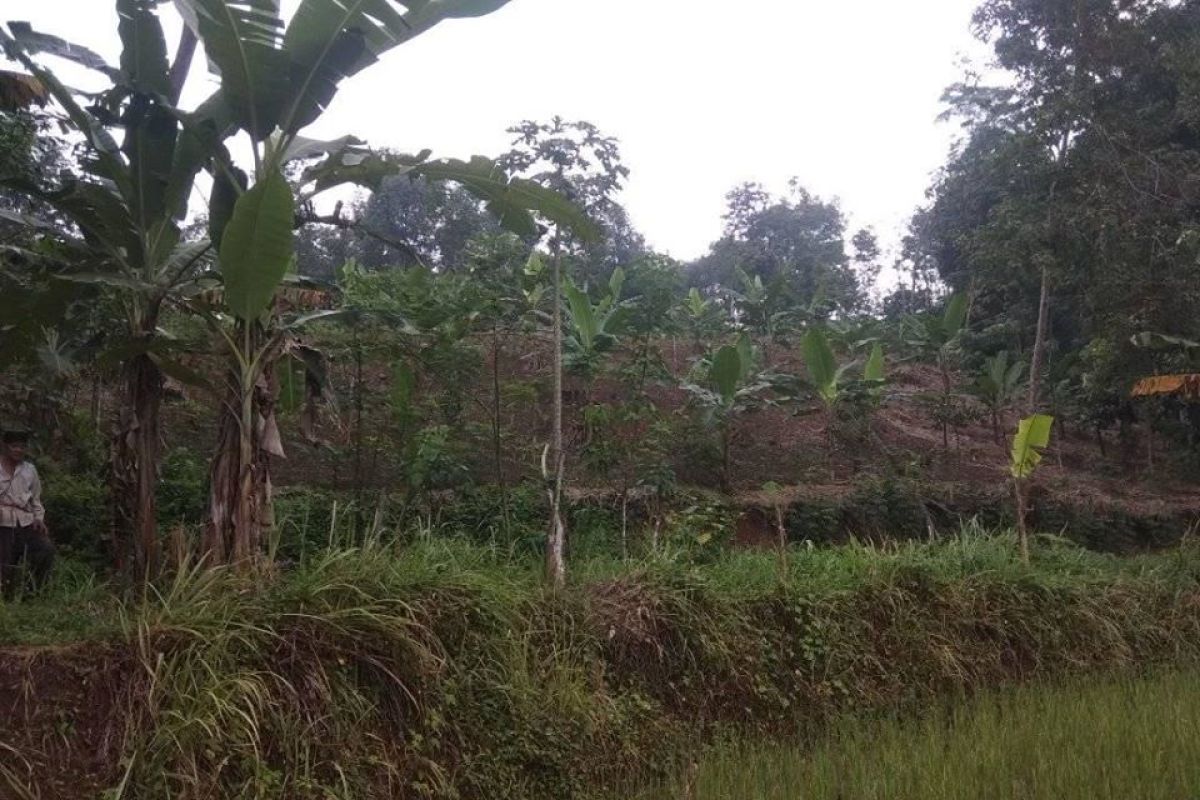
x=592 y=327
x=831 y=381
x=701 y=318
x=276 y=78
x=1032 y=437
x=728 y=387
x=936 y=336
x=997 y=387
x=274 y=81
x=127 y=206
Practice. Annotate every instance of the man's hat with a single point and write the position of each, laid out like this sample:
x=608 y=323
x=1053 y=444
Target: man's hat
x=15 y=435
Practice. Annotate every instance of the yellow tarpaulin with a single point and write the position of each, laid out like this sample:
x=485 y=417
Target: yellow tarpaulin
x=1182 y=385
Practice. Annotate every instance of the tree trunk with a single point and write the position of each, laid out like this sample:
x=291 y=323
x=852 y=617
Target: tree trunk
x=1039 y=343
x=830 y=442
x=556 y=567
x=1035 y=377
x=135 y=458
x=240 y=503
x=624 y=519
x=359 y=400
x=945 y=399
x=94 y=405
x=781 y=533
x=726 y=436
x=497 y=444
x=1019 y=487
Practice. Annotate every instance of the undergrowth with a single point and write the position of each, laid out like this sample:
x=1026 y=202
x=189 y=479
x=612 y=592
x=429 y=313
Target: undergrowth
x=447 y=670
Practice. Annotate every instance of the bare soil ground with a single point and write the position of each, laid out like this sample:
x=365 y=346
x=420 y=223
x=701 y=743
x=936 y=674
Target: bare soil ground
x=62 y=716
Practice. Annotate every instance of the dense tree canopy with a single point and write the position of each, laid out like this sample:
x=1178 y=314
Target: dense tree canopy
x=1086 y=161
x=796 y=245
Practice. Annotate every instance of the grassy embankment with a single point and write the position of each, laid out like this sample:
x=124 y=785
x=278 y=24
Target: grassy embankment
x=440 y=670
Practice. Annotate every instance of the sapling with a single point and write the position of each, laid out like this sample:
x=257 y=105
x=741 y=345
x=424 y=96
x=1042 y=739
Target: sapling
x=1033 y=436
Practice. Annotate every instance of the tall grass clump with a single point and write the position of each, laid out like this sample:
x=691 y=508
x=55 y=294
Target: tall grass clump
x=444 y=669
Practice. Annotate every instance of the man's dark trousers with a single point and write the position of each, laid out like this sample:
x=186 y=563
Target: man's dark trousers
x=24 y=544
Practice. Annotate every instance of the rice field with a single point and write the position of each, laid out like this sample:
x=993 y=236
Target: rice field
x=1136 y=739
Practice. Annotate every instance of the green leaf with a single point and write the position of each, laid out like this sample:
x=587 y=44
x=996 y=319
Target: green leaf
x=512 y=202
x=583 y=316
x=404 y=387
x=114 y=279
x=291 y=385
x=303 y=148
x=151 y=133
x=955 y=315
x=615 y=282
x=257 y=246
x=224 y=197
x=99 y=213
x=34 y=42
x=725 y=373
x=180 y=372
x=328 y=314
x=186 y=260
x=330 y=40
x=745 y=350
x=366 y=169
x=243 y=39
x=1033 y=436
x=873 y=369
x=143 y=47
x=819 y=359
x=204 y=130
x=535 y=266
x=1012 y=378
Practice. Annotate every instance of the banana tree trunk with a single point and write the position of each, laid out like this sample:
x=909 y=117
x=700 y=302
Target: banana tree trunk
x=240 y=501
x=135 y=457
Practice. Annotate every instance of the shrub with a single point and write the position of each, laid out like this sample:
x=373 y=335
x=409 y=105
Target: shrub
x=78 y=513
x=182 y=489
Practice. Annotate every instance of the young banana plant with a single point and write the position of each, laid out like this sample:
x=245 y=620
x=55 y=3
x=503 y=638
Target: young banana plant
x=727 y=388
x=997 y=387
x=593 y=327
x=936 y=335
x=1032 y=437
x=830 y=380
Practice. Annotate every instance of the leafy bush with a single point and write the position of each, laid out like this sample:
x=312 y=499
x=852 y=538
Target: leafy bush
x=182 y=489
x=78 y=513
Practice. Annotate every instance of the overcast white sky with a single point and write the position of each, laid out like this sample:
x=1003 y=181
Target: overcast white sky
x=843 y=94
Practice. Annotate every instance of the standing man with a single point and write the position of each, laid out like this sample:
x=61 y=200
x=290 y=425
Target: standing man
x=24 y=536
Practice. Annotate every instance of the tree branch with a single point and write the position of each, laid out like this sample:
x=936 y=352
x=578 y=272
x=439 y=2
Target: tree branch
x=306 y=216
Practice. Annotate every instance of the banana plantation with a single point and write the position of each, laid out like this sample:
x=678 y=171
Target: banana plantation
x=342 y=467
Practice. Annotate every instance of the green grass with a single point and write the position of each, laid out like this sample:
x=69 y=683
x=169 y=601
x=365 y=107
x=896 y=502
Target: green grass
x=1114 y=739
x=79 y=605
x=441 y=669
